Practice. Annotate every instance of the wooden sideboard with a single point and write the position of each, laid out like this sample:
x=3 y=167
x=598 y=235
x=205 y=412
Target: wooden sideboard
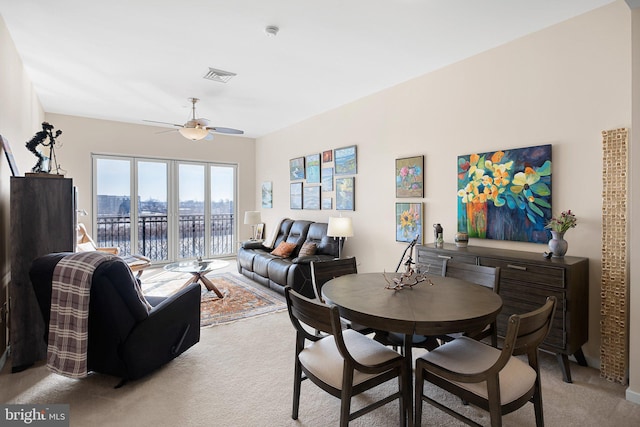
x=526 y=279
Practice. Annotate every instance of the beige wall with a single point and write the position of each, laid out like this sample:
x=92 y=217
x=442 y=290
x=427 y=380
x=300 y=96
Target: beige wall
x=83 y=137
x=20 y=114
x=560 y=86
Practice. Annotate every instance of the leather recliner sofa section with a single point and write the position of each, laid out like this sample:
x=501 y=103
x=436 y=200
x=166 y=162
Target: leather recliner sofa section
x=258 y=263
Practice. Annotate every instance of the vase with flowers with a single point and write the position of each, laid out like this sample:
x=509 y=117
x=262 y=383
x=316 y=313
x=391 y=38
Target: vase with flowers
x=558 y=226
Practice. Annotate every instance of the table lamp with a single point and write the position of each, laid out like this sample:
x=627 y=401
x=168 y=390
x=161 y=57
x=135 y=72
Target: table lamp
x=340 y=227
x=252 y=218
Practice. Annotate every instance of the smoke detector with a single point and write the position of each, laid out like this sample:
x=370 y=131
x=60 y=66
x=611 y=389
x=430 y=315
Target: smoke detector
x=271 y=30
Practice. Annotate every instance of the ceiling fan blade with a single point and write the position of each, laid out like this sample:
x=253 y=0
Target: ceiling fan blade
x=164 y=123
x=225 y=130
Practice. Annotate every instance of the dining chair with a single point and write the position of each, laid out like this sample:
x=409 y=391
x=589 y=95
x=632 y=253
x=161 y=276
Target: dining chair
x=343 y=363
x=323 y=271
x=492 y=379
x=480 y=275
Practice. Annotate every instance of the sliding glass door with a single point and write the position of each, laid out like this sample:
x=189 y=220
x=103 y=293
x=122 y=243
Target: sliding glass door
x=183 y=210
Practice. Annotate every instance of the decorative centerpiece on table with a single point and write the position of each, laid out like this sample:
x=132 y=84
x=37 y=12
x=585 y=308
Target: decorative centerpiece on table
x=408 y=279
x=558 y=226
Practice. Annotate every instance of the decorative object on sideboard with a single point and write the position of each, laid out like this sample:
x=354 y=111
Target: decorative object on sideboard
x=46 y=155
x=340 y=227
x=437 y=235
x=462 y=239
x=252 y=218
x=558 y=226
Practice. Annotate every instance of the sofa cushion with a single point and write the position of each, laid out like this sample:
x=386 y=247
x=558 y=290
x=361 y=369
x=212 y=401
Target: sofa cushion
x=284 y=249
x=308 y=249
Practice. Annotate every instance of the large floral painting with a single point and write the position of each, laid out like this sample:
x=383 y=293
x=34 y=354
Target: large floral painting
x=506 y=194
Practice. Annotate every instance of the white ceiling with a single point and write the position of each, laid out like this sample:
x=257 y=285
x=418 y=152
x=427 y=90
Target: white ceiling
x=130 y=60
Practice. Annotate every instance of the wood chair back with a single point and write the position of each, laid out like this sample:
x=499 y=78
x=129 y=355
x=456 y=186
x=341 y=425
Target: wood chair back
x=323 y=271
x=317 y=315
x=524 y=335
x=478 y=274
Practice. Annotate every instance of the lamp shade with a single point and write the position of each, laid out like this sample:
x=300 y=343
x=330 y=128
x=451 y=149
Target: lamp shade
x=340 y=227
x=193 y=134
x=252 y=217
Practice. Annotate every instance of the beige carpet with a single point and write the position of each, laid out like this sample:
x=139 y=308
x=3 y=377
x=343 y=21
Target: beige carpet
x=241 y=374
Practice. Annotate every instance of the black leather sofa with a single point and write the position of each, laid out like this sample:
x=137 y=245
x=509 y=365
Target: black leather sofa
x=257 y=263
x=126 y=338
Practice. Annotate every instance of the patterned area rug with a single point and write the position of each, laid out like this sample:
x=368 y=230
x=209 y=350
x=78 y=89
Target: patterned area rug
x=242 y=297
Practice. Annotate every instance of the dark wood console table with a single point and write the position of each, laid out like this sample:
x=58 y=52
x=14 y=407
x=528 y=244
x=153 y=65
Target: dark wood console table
x=526 y=279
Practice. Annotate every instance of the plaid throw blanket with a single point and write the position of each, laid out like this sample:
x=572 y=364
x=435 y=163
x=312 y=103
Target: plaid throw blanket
x=68 y=328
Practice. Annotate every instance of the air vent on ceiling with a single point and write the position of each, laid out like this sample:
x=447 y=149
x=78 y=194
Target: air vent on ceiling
x=219 y=75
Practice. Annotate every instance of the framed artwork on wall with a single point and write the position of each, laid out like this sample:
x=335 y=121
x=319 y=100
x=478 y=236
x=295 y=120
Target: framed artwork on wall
x=312 y=163
x=346 y=160
x=311 y=197
x=267 y=194
x=410 y=177
x=10 y=159
x=409 y=222
x=506 y=194
x=295 y=195
x=296 y=168
x=327 y=156
x=327 y=203
x=327 y=179
x=345 y=194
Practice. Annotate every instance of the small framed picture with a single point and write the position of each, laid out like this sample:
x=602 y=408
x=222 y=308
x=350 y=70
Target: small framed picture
x=410 y=177
x=327 y=179
x=296 y=168
x=260 y=231
x=346 y=161
x=295 y=195
x=327 y=156
x=267 y=194
x=408 y=222
x=312 y=165
x=345 y=194
x=327 y=203
x=7 y=152
x=311 y=197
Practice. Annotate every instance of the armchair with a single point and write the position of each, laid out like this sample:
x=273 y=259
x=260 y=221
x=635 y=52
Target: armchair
x=84 y=242
x=125 y=337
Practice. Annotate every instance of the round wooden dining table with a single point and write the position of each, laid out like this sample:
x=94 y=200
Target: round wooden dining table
x=438 y=305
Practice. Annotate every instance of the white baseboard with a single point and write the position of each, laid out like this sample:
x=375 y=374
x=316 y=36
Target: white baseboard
x=632 y=396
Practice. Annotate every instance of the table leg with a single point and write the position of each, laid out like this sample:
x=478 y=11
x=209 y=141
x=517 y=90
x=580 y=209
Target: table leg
x=210 y=286
x=191 y=280
x=408 y=359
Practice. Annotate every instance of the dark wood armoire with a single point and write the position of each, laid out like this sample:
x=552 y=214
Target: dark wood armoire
x=42 y=220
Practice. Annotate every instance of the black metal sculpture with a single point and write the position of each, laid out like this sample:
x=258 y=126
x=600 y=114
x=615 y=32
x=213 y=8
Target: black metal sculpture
x=43 y=165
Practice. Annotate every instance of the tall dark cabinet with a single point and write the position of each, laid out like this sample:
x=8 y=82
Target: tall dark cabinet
x=42 y=220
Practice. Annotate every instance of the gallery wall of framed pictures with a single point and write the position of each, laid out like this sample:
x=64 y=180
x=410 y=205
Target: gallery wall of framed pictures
x=324 y=181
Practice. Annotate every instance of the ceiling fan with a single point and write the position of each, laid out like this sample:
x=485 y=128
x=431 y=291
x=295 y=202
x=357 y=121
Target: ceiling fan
x=198 y=128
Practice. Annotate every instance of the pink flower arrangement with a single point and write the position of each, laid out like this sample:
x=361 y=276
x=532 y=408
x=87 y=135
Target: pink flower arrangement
x=561 y=224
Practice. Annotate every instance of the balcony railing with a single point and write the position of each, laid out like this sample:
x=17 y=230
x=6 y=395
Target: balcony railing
x=115 y=231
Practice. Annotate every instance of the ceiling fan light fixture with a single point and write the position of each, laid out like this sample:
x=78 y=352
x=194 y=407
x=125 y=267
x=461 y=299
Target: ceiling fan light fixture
x=194 y=134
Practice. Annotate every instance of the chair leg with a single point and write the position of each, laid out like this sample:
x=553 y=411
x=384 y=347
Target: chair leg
x=345 y=398
x=418 y=394
x=537 y=397
x=402 y=388
x=297 y=381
